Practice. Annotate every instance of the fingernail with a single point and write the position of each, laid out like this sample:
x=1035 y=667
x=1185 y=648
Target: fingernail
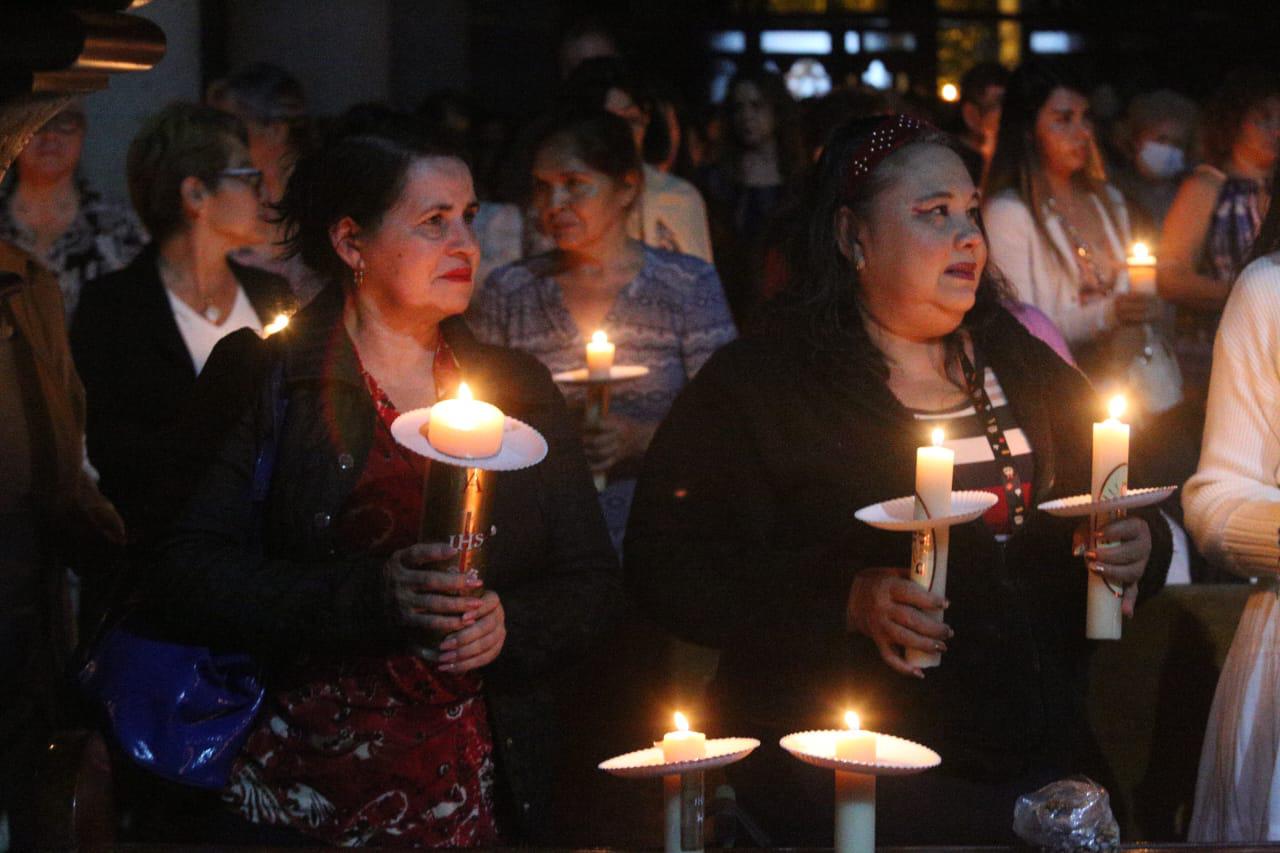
x=449 y=644
x=918 y=673
x=446 y=667
x=448 y=657
x=939 y=646
x=1078 y=551
x=1099 y=568
x=951 y=632
x=946 y=604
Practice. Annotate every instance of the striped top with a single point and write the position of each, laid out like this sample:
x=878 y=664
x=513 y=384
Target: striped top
x=977 y=467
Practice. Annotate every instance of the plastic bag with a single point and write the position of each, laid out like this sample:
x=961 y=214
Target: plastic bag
x=1070 y=814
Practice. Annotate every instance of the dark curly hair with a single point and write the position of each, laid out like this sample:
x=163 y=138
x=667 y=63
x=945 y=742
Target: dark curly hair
x=825 y=296
x=360 y=175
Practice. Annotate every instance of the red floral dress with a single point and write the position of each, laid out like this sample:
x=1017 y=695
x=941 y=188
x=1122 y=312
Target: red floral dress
x=375 y=750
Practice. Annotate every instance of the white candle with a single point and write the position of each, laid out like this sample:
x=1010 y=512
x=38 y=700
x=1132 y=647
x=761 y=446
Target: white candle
x=599 y=356
x=682 y=744
x=853 y=744
x=1110 y=479
x=1142 y=269
x=465 y=427
x=934 y=468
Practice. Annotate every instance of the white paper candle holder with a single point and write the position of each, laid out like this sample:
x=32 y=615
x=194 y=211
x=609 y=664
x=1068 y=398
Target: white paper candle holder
x=683 y=785
x=1103 y=617
x=855 y=801
x=930 y=542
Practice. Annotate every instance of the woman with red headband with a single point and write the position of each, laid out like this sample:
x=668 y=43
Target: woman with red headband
x=742 y=535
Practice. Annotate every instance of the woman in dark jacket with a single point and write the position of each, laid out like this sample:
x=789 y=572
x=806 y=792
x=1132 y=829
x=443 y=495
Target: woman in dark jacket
x=743 y=535
x=407 y=703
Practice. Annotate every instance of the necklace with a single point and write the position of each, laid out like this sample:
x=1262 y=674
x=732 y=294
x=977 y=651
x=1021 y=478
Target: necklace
x=1093 y=284
x=176 y=279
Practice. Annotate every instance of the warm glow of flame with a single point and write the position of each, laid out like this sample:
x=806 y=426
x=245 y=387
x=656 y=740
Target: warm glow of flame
x=599 y=337
x=1116 y=407
x=276 y=325
x=464 y=392
x=682 y=722
x=938 y=437
x=950 y=93
x=1140 y=252
x=851 y=720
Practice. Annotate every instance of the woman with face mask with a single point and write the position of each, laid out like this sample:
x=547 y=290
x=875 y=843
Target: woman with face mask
x=743 y=534
x=1155 y=137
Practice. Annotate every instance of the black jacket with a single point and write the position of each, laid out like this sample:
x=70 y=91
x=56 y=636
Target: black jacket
x=138 y=374
x=743 y=537
x=551 y=562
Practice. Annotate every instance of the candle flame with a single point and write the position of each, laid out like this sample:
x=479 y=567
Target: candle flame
x=275 y=325
x=851 y=720
x=950 y=93
x=599 y=337
x=938 y=437
x=1116 y=407
x=1140 y=252
x=682 y=723
x=464 y=392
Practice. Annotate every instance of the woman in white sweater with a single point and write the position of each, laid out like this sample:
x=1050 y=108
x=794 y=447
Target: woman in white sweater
x=1232 y=509
x=1059 y=233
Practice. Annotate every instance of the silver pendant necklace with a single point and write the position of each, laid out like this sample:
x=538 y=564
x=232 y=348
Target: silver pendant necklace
x=211 y=312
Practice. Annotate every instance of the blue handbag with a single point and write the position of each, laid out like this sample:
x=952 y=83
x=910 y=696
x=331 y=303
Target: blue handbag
x=182 y=712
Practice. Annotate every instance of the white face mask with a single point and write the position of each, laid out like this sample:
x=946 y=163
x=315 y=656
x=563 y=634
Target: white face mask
x=1161 y=160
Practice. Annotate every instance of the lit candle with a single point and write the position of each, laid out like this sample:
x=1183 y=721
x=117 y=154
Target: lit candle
x=1110 y=480
x=934 y=467
x=854 y=744
x=682 y=744
x=275 y=325
x=1142 y=269
x=465 y=427
x=599 y=356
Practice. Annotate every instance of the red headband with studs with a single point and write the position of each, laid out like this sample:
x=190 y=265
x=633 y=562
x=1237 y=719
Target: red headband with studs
x=893 y=132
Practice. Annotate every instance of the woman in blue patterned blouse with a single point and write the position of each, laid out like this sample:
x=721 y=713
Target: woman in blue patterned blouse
x=663 y=310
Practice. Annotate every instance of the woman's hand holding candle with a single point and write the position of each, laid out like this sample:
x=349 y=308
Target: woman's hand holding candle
x=1124 y=546
x=612 y=439
x=428 y=592
x=885 y=605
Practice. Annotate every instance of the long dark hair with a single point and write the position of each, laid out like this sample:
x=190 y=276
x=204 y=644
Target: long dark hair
x=786 y=124
x=825 y=297
x=1016 y=165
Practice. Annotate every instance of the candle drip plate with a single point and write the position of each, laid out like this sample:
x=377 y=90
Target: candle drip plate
x=899 y=513
x=895 y=756
x=617 y=373
x=648 y=763
x=1078 y=506
x=522 y=445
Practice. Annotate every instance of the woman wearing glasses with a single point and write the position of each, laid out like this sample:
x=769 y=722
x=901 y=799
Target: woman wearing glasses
x=48 y=210
x=142 y=334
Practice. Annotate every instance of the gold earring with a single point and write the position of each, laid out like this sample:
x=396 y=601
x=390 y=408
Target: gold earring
x=357 y=276
x=859 y=262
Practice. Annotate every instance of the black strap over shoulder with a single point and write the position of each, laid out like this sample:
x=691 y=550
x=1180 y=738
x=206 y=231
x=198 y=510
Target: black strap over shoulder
x=977 y=389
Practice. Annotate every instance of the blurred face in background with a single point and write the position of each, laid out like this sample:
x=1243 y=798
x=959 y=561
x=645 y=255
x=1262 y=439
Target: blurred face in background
x=578 y=205
x=589 y=45
x=1160 y=148
x=753 y=118
x=1064 y=132
x=1259 y=141
x=54 y=152
x=624 y=107
x=982 y=117
x=229 y=206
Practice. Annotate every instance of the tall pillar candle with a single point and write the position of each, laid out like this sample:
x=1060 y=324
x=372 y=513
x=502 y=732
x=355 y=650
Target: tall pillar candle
x=855 y=813
x=935 y=467
x=1110 y=479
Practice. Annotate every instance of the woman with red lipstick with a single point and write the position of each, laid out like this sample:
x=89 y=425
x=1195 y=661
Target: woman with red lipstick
x=743 y=536
x=663 y=310
x=406 y=703
x=1060 y=234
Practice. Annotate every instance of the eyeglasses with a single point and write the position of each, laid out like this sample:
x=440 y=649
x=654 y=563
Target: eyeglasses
x=64 y=124
x=248 y=174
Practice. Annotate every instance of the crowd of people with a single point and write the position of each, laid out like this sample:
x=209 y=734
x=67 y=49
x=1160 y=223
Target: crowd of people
x=812 y=285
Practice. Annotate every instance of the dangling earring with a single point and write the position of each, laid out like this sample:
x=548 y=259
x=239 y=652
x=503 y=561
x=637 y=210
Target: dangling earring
x=859 y=262
x=357 y=276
